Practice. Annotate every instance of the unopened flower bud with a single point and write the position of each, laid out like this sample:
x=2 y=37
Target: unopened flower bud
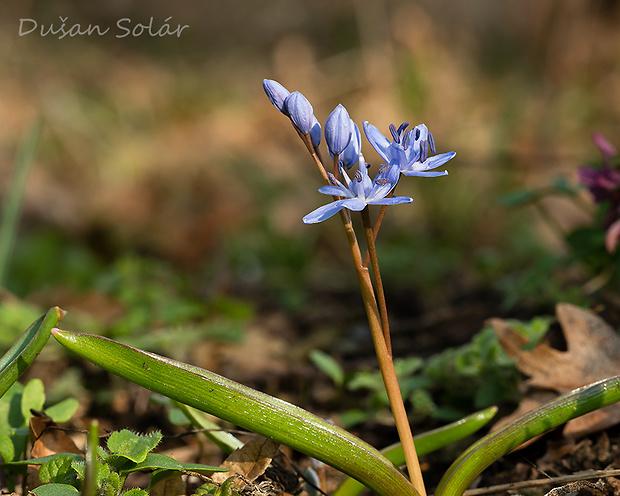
x=299 y=109
x=276 y=93
x=351 y=154
x=338 y=130
x=315 y=133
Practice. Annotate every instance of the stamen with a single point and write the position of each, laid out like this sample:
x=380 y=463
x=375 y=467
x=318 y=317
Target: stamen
x=431 y=142
x=358 y=176
x=406 y=139
x=384 y=168
x=395 y=133
x=332 y=179
x=402 y=128
x=423 y=151
x=381 y=181
x=417 y=134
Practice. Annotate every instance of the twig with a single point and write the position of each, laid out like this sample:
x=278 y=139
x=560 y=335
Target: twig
x=564 y=479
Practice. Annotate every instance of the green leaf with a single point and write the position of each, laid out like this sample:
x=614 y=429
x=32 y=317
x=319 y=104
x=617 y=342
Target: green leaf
x=155 y=461
x=58 y=470
x=33 y=397
x=426 y=443
x=491 y=447
x=328 y=365
x=245 y=407
x=224 y=440
x=7 y=450
x=136 y=491
x=26 y=348
x=62 y=411
x=55 y=490
x=41 y=460
x=133 y=446
x=518 y=198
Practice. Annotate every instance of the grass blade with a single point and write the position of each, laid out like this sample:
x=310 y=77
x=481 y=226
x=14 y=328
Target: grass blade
x=12 y=204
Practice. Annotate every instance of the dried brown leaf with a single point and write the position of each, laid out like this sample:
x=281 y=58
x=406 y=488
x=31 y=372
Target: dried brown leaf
x=593 y=353
x=250 y=461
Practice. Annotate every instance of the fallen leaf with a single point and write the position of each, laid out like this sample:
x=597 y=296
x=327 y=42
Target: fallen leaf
x=46 y=440
x=250 y=461
x=593 y=353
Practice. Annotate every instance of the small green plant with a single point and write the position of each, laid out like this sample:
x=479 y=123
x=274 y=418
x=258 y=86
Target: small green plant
x=445 y=386
x=126 y=452
x=16 y=408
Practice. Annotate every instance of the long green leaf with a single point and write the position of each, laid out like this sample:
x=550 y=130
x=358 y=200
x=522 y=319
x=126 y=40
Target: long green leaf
x=26 y=348
x=224 y=440
x=488 y=449
x=245 y=407
x=13 y=201
x=426 y=443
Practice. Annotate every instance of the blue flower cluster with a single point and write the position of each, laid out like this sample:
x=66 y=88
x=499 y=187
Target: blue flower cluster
x=410 y=152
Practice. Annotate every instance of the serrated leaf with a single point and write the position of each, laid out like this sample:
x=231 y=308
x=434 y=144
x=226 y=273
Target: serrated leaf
x=58 y=470
x=136 y=492
x=132 y=446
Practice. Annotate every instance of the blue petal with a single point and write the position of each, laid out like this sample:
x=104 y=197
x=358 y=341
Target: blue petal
x=324 y=212
x=355 y=204
x=421 y=168
x=414 y=173
x=351 y=154
x=392 y=200
x=335 y=191
x=377 y=140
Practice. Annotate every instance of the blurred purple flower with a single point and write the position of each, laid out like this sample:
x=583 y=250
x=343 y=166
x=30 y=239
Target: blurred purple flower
x=359 y=192
x=602 y=182
x=409 y=148
x=604 y=185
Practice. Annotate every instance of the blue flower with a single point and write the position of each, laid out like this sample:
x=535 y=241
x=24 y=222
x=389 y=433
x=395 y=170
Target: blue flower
x=359 y=192
x=409 y=149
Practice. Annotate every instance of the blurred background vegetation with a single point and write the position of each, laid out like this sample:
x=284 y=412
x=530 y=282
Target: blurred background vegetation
x=164 y=204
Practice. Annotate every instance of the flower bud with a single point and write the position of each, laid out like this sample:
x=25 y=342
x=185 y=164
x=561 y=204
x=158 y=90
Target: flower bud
x=276 y=93
x=315 y=133
x=338 y=130
x=299 y=109
x=351 y=154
